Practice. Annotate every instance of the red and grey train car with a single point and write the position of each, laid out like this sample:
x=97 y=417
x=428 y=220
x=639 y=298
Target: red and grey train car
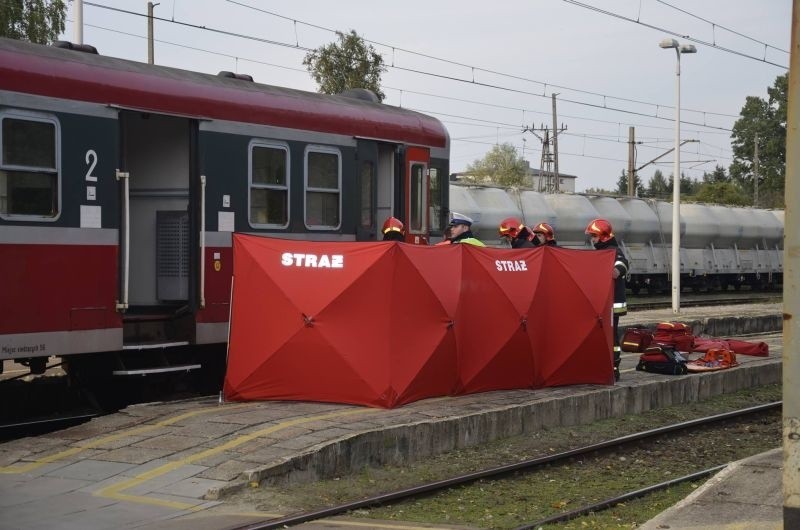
x=121 y=184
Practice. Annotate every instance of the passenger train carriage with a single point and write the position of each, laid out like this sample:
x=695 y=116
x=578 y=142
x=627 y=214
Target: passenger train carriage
x=121 y=184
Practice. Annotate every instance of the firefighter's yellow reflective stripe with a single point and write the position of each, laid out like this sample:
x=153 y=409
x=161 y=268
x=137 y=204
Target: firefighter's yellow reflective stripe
x=617 y=348
x=620 y=307
x=621 y=264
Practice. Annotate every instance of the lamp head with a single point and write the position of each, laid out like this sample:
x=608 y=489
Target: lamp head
x=668 y=43
x=687 y=48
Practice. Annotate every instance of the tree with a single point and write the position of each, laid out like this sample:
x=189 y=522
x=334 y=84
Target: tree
x=717 y=176
x=657 y=185
x=39 y=21
x=501 y=165
x=687 y=185
x=767 y=119
x=722 y=193
x=349 y=63
x=599 y=191
x=622 y=184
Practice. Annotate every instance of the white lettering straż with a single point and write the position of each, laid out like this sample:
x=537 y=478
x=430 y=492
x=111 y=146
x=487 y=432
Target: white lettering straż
x=511 y=265
x=312 y=261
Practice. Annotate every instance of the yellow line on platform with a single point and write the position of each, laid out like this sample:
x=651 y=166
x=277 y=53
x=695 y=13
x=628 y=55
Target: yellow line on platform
x=115 y=491
x=93 y=444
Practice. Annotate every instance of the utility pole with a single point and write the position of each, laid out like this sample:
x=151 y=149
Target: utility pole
x=555 y=145
x=755 y=172
x=548 y=180
x=78 y=24
x=631 y=163
x=150 y=6
x=791 y=291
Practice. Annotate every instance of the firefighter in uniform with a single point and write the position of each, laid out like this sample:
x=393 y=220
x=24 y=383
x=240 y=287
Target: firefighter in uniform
x=461 y=230
x=543 y=234
x=603 y=237
x=516 y=233
x=393 y=230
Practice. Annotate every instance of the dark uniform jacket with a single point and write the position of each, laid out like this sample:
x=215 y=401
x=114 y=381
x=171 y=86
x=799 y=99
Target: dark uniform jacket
x=523 y=240
x=621 y=264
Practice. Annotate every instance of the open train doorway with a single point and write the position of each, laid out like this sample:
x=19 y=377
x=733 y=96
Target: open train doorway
x=157 y=247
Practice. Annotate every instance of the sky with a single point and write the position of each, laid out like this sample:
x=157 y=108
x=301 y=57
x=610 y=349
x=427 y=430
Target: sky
x=487 y=70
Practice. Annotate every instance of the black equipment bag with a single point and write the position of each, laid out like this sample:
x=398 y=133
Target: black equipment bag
x=662 y=359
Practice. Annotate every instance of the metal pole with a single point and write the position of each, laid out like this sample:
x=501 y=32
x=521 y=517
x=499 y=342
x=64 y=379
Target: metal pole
x=676 y=196
x=631 y=169
x=755 y=172
x=149 y=32
x=556 y=186
x=791 y=290
x=78 y=26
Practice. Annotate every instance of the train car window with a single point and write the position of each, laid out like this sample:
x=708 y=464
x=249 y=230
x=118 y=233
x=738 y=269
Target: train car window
x=367 y=210
x=29 y=172
x=436 y=198
x=269 y=189
x=323 y=188
x=416 y=197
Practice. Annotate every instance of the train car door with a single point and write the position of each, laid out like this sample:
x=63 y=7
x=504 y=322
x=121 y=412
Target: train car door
x=416 y=188
x=366 y=178
x=386 y=184
x=158 y=250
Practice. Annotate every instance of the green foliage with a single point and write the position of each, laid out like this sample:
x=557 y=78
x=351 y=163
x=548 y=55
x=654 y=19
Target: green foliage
x=718 y=175
x=722 y=193
x=348 y=63
x=767 y=119
x=39 y=21
x=657 y=186
x=622 y=184
x=600 y=191
x=501 y=165
x=688 y=186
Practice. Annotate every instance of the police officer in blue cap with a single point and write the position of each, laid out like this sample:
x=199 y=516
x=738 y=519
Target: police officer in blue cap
x=461 y=230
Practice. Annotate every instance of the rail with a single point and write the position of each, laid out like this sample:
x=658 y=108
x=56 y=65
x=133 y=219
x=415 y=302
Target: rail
x=425 y=489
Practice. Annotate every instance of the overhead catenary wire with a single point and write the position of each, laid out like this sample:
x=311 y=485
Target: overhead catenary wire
x=451 y=78
x=716 y=25
x=673 y=32
x=297 y=46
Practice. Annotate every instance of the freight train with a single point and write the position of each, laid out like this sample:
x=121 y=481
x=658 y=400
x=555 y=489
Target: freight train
x=721 y=247
x=121 y=184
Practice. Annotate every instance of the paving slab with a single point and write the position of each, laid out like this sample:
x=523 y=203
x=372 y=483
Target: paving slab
x=90 y=470
x=134 y=454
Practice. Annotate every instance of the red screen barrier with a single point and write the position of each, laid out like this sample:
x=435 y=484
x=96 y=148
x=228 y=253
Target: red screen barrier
x=384 y=324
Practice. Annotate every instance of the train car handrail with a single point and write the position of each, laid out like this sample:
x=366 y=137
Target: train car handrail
x=202 y=241
x=122 y=303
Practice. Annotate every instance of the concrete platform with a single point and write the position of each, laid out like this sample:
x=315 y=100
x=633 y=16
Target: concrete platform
x=745 y=495
x=149 y=464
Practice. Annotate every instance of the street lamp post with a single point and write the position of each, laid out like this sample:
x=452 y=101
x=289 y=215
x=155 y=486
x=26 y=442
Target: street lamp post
x=676 y=179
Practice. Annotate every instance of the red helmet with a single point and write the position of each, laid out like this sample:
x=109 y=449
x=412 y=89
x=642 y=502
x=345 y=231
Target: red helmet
x=601 y=229
x=393 y=224
x=546 y=229
x=511 y=227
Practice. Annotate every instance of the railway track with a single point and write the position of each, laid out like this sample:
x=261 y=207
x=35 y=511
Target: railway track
x=641 y=303
x=527 y=466
x=9 y=431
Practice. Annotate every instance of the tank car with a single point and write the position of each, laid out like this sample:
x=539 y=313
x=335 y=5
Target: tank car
x=721 y=247
x=121 y=184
